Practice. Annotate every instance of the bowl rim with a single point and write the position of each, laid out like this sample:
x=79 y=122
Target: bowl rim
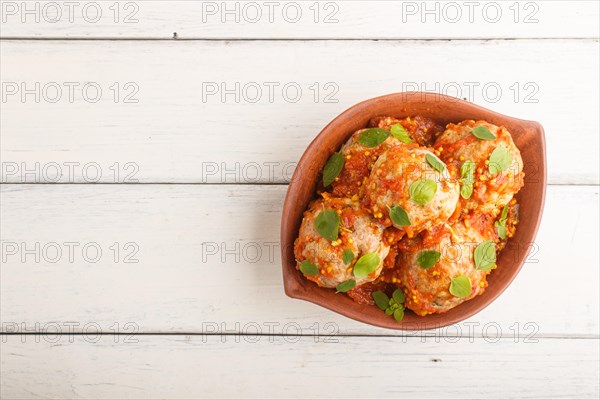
x=292 y=289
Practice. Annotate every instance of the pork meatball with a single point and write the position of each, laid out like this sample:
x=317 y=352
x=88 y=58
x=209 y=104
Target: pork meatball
x=331 y=259
x=496 y=164
x=359 y=160
x=410 y=181
x=427 y=279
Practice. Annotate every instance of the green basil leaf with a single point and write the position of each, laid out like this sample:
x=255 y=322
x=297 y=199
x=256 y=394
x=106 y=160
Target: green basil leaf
x=373 y=137
x=483 y=133
x=467 y=177
x=399 y=314
x=389 y=311
x=381 y=299
x=504 y=215
x=467 y=172
x=466 y=190
x=422 y=191
x=500 y=160
x=501 y=223
x=485 y=255
x=398 y=216
x=460 y=286
x=308 y=268
x=398 y=296
x=345 y=286
x=327 y=224
x=427 y=258
x=347 y=256
x=400 y=133
x=332 y=169
x=435 y=162
x=366 y=265
x=501 y=229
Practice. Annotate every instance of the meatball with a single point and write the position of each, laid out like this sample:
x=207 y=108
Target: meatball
x=411 y=180
x=427 y=286
x=358 y=235
x=359 y=160
x=422 y=130
x=496 y=164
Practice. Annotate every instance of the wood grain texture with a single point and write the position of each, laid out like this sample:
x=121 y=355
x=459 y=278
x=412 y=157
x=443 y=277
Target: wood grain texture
x=193 y=367
x=178 y=132
x=302 y=20
x=208 y=260
x=204 y=259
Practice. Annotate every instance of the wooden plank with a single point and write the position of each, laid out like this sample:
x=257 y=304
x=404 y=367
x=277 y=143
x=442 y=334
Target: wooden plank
x=300 y=20
x=205 y=258
x=179 y=132
x=193 y=367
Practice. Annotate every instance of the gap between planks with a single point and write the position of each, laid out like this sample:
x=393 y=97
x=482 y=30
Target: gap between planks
x=285 y=39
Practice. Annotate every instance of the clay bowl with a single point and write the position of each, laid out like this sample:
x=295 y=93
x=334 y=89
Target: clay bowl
x=527 y=135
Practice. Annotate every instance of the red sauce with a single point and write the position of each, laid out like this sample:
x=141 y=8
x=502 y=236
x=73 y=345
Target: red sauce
x=450 y=148
x=422 y=130
x=363 y=294
x=434 y=236
x=356 y=169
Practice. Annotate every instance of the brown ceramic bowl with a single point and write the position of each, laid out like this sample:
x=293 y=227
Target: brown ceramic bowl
x=527 y=135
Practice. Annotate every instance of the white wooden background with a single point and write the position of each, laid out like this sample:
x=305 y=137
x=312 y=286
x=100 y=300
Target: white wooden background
x=189 y=187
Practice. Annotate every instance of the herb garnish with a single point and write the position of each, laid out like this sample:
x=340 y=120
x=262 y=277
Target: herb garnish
x=373 y=137
x=347 y=256
x=400 y=133
x=393 y=306
x=500 y=160
x=332 y=169
x=345 y=286
x=435 y=162
x=366 y=265
x=467 y=177
x=327 y=224
x=399 y=216
x=501 y=223
x=483 y=133
x=422 y=191
x=485 y=255
x=460 y=286
x=428 y=258
x=308 y=268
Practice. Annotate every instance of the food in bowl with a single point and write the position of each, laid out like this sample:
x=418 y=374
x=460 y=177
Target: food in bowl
x=333 y=232
x=410 y=178
x=411 y=214
x=498 y=162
